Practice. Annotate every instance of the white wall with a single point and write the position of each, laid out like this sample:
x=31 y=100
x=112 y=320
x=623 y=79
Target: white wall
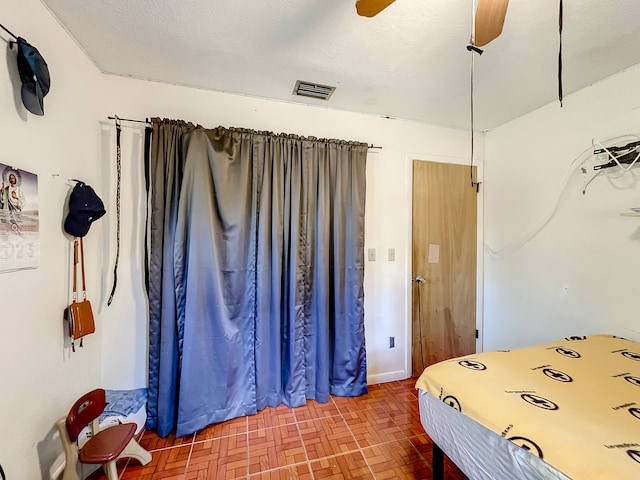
x=40 y=377
x=388 y=209
x=580 y=274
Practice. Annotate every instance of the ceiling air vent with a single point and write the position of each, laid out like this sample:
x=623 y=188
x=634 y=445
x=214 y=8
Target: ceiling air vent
x=313 y=90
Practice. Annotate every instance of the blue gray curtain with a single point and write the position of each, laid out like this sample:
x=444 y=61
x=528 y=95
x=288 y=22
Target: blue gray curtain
x=256 y=269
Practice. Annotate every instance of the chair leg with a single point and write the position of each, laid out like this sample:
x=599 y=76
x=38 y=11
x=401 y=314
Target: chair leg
x=70 y=452
x=111 y=470
x=134 y=450
x=70 y=472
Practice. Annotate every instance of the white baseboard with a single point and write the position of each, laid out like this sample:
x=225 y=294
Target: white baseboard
x=387 y=377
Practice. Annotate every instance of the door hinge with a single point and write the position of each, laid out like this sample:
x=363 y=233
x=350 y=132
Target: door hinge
x=477 y=334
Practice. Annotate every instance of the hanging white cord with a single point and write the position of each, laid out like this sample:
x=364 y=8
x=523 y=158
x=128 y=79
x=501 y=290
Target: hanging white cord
x=473 y=22
x=473 y=183
x=527 y=236
x=472 y=49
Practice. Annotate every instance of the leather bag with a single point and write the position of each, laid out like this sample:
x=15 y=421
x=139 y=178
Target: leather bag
x=79 y=314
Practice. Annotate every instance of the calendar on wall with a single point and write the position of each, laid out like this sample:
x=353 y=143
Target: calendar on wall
x=19 y=226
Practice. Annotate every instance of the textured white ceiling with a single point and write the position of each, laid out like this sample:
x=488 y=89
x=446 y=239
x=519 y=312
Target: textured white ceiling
x=408 y=62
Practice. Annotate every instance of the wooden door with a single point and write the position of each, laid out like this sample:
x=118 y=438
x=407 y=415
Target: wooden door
x=444 y=254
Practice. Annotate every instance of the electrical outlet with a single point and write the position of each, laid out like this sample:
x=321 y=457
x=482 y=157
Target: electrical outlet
x=372 y=255
x=392 y=342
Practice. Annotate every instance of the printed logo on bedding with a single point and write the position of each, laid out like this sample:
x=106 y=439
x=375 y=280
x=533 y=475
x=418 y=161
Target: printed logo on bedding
x=632 y=356
x=557 y=375
x=623 y=445
x=472 y=365
x=527 y=445
x=452 y=402
x=539 y=402
x=633 y=380
x=635 y=411
x=567 y=352
x=575 y=338
x=634 y=454
x=506 y=430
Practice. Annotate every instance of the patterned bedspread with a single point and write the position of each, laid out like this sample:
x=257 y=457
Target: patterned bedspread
x=575 y=402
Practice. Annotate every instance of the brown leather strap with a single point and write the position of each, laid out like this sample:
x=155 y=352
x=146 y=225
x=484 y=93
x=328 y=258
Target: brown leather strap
x=84 y=287
x=75 y=292
x=75 y=268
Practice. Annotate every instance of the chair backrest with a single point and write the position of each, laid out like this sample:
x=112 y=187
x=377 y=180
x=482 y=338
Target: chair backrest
x=84 y=411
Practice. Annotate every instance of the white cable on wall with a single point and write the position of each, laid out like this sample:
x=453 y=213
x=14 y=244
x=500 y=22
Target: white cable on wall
x=525 y=237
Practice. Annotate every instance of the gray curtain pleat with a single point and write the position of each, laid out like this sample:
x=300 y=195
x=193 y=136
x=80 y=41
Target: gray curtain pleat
x=164 y=178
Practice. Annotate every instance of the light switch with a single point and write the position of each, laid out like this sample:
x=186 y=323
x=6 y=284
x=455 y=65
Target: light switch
x=371 y=256
x=392 y=255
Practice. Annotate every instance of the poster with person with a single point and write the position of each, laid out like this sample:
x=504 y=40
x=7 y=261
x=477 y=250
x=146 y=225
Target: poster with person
x=19 y=227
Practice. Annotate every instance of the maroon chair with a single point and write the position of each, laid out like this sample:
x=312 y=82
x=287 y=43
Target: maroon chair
x=104 y=447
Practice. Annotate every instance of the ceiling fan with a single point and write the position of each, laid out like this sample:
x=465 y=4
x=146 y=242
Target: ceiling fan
x=488 y=22
x=489 y=18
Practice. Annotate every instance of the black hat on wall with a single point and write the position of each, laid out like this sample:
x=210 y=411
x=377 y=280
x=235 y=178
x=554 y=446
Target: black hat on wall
x=85 y=207
x=34 y=74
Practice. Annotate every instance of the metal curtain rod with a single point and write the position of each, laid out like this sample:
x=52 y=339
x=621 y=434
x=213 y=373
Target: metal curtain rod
x=147 y=121
x=128 y=120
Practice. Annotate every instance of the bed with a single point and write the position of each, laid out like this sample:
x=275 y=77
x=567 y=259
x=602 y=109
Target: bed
x=564 y=410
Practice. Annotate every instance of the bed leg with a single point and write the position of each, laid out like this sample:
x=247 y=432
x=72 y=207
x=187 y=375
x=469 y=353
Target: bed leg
x=438 y=462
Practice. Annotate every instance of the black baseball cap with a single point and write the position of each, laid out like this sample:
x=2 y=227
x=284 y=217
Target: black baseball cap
x=85 y=207
x=34 y=74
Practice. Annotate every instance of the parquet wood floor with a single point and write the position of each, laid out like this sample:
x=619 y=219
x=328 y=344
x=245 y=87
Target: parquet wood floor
x=374 y=436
